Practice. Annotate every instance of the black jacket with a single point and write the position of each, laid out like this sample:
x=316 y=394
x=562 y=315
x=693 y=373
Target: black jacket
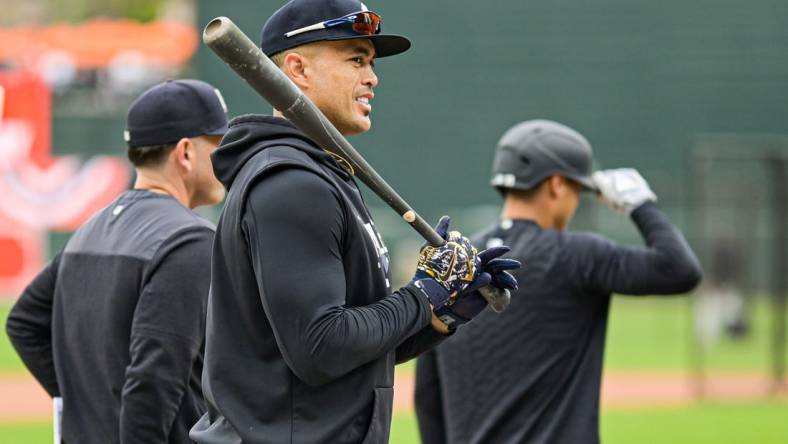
x=303 y=330
x=532 y=373
x=115 y=323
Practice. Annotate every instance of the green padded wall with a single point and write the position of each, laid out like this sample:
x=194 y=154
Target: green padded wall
x=639 y=78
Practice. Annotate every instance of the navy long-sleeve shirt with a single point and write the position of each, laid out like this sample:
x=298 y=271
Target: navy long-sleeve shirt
x=532 y=374
x=115 y=324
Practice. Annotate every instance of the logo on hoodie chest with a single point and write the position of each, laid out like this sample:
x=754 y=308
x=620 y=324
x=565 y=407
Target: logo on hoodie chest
x=380 y=249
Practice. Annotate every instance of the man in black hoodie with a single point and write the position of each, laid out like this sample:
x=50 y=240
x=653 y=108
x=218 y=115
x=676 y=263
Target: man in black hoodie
x=303 y=327
x=547 y=367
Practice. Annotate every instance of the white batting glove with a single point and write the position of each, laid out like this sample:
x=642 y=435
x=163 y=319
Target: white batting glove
x=623 y=189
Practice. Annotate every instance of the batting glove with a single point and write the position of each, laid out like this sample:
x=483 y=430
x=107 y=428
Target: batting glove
x=466 y=306
x=453 y=265
x=493 y=278
x=623 y=189
x=497 y=267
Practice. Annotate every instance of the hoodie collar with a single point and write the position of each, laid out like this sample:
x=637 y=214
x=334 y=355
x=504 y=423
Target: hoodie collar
x=252 y=133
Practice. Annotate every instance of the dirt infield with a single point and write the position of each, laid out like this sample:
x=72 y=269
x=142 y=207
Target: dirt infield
x=649 y=389
x=22 y=399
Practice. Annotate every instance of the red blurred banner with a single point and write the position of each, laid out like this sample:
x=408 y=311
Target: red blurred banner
x=96 y=43
x=39 y=192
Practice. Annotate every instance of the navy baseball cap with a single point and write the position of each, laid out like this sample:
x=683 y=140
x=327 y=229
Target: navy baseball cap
x=175 y=109
x=304 y=21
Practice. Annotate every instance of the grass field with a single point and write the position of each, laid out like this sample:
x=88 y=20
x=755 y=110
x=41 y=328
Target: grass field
x=703 y=424
x=27 y=433
x=654 y=334
x=644 y=334
x=762 y=423
x=9 y=362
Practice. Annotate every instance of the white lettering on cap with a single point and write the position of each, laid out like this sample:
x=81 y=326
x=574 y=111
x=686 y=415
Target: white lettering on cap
x=506 y=180
x=364 y=7
x=126 y=136
x=221 y=99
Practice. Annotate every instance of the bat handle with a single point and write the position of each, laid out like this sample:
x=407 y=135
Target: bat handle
x=497 y=298
x=423 y=228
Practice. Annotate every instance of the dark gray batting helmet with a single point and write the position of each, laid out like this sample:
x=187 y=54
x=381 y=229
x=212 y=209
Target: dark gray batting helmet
x=534 y=150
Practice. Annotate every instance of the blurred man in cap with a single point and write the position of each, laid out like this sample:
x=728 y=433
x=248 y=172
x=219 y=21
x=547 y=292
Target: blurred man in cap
x=532 y=374
x=304 y=328
x=115 y=323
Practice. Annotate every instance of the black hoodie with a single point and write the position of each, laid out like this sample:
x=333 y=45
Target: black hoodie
x=303 y=330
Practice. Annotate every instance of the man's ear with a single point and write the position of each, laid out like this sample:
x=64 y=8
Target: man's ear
x=184 y=154
x=295 y=66
x=555 y=185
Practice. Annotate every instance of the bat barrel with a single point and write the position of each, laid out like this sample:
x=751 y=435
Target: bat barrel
x=245 y=58
x=215 y=28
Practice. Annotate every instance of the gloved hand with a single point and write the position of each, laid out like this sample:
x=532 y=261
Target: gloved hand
x=493 y=278
x=498 y=293
x=453 y=265
x=466 y=306
x=491 y=263
x=623 y=189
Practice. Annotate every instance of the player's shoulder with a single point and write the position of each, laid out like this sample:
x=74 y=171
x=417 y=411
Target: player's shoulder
x=136 y=224
x=520 y=235
x=482 y=238
x=176 y=217
x=585 y=243
x=162 y=220
x=179 y=226
x=293 y=180
x=282 y=154
x=283 y=162
x=583 y=238
x=285 y=181
x=292 y=190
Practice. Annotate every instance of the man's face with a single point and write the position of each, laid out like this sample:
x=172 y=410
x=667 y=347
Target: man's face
x=207 y=190
x=341 y=78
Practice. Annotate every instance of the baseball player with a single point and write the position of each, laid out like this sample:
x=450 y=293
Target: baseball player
x=532 y=374
x=115 y=324
x=303 y=326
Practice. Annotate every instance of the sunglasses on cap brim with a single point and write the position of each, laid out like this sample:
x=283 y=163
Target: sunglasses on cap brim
x=363 y=23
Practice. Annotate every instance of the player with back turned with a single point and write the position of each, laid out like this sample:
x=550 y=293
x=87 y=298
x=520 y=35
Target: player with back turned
x=304 y=327
x=115 y=324
x=532 y=374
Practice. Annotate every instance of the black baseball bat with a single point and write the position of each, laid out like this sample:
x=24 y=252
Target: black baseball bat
x=251 y=64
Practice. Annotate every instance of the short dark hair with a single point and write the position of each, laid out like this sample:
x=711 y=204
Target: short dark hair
x=532 y=192
x=527 y=195
x=149 y=156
